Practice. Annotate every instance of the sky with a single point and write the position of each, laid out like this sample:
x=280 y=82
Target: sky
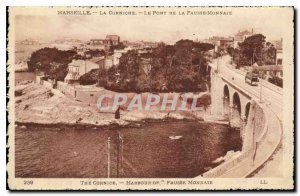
x=167 y=28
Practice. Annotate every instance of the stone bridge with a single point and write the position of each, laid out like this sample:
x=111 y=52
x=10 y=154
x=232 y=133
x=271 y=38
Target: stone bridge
x=255 y=110
x=229 y=101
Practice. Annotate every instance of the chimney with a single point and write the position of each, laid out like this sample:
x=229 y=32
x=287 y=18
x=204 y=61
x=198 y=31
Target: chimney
x=252 y=31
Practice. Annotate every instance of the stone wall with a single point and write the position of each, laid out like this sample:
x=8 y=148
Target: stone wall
x=226 y=166
x=255 y=126
x=66 y=89
x=38 y=79
x=216 y=94
x=47 y=83
x=254 y=132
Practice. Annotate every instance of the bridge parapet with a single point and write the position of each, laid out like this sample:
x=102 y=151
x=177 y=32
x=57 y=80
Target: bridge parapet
x=265 y=83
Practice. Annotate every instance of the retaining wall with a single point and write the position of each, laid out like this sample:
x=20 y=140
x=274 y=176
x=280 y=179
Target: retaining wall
x=38 y=79
x=254 y=133
x=47 y=83
x=66 y=89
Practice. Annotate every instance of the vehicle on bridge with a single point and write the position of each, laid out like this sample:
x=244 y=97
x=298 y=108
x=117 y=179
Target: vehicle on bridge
x=252 y=78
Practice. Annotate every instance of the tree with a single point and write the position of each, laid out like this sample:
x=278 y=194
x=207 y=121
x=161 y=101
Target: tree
x=51 y=61
x=276 y=80
x=269 y=54
x=129 y=66
x=89 y=78
x=230 y=51
x=250 y=50
x=187 y=58
x=180 y=67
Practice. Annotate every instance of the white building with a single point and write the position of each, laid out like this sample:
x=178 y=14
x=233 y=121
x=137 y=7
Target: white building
x=109 y=62
x=279 y=51
x=241 y=36
x=79 y=67
x=117 y=55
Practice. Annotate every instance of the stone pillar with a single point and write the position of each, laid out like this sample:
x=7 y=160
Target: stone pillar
x=223 y=110
x=249 y=128
x=243 y=127
x=230 y=115
x=225 y=106
x=216 y=95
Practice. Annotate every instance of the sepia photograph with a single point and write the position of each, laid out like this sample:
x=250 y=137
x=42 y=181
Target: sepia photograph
x=151 y=98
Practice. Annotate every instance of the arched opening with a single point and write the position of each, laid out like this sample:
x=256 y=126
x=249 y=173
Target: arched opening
x=226 y=101
x=247 y=110
x=235 y=119
x=237 y=102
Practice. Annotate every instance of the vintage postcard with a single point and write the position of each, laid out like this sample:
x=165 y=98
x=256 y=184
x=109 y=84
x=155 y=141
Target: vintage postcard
x=151 y=98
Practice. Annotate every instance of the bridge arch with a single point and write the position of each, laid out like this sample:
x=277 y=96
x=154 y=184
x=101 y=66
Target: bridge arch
x=226 y=101
x=247 y=110
x=227 y=97
x=236 y=101
x=236 y=110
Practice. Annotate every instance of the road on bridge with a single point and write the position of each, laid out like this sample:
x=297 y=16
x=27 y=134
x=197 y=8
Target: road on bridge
x=269 y=95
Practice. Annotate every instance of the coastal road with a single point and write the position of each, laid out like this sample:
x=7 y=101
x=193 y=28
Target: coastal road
x=270 y=95
x=272 y=100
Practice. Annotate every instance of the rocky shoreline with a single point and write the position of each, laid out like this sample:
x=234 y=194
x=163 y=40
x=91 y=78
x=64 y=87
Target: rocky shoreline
x=41 y=105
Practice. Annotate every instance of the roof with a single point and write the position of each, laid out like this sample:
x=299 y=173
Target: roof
x=96 y=59
x=76 y=63
x=79 y=63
